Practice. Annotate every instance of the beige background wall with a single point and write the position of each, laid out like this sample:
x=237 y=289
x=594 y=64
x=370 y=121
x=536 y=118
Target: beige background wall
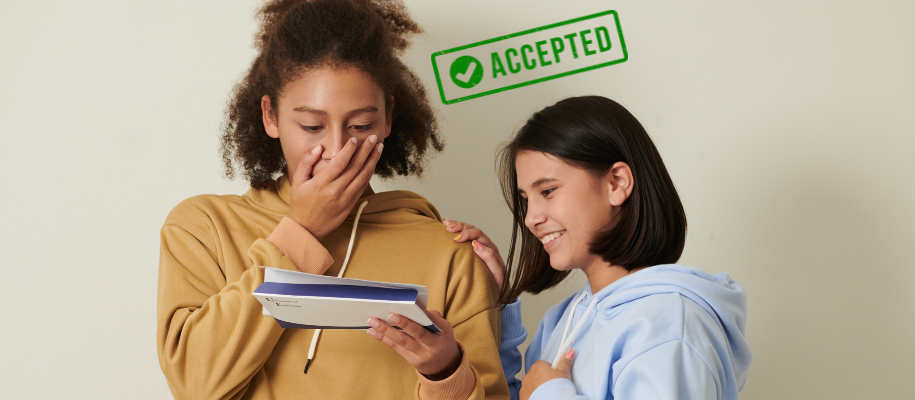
x=787 y=127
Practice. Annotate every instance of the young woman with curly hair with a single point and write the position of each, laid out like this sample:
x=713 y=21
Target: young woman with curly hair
x=325 y=105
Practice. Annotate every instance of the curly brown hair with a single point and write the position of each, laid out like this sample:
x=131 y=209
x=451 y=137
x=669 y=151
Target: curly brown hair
x=297 y=36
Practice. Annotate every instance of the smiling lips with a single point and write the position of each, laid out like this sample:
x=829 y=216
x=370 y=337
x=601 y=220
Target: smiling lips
x=549 y=238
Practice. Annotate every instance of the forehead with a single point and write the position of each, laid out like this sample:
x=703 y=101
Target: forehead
x=333 y=90
x=534 y=165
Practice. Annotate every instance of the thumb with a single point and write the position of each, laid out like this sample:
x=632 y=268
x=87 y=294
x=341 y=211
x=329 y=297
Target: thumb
x=306 y=164
x=565 y=363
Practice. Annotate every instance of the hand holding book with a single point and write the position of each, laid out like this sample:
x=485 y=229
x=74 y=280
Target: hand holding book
x=434 y=354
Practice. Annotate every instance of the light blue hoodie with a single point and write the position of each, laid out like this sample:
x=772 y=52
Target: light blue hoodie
x=664 y=332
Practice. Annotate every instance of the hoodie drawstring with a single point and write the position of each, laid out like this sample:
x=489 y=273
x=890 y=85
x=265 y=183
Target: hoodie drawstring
x=349 y=250
x=564 y=342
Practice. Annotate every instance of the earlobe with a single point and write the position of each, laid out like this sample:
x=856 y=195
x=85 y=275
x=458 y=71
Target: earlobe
x=269 y=117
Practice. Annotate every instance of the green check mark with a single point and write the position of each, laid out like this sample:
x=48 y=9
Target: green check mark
x=466 y=72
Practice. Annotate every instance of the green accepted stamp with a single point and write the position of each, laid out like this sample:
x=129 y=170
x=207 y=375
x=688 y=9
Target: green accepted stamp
x=466 y=72
x=528 y=57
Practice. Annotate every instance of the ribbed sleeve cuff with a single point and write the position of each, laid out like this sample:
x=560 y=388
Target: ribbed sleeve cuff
x=297 y=244
x=458 y=386
x=511 y=321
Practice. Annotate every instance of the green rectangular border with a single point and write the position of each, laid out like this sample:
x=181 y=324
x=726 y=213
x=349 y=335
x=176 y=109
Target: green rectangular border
x=438 y=79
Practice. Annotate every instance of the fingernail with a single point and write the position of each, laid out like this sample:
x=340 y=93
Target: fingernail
x=373 y=323
x=380 y=146
x=316 y=149
x=458 y=237
x=394 y=318
x=373 y=139
x=451 y=226
x=570 y=354
x=371 y=332
x=353 y=140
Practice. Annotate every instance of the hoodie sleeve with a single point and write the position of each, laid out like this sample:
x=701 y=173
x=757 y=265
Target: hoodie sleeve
x=513 y=335
x=212 y=338
x=672 y=370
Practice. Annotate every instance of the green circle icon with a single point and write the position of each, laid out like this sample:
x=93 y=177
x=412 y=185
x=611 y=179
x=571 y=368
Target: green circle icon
x=466 y=72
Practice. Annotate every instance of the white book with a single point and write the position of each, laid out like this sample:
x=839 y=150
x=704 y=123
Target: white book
x=306 y=301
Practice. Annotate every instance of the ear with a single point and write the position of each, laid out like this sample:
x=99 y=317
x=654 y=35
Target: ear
x=388 y=115
x=619 y=183
x=269 y=117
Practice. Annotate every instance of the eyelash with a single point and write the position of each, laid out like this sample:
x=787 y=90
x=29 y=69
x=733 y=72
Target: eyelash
x=544 y=193
x=312 y=129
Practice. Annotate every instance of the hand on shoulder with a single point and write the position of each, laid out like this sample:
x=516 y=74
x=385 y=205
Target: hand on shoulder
x=484 y=248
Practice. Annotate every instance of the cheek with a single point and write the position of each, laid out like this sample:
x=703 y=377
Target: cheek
x=580 y=221
x=295 y=142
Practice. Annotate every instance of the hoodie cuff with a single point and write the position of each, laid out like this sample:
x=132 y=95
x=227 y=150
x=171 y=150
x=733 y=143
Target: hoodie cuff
x=458 y=386
x=297 y=244
x=511 y=321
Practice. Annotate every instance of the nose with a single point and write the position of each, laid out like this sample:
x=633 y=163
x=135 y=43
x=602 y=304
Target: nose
x=334 y=141
x=534 y=216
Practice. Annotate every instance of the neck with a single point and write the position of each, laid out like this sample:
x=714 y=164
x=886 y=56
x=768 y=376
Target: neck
x=601 y=273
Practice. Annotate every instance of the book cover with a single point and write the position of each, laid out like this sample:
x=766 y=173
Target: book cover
x=304 y=301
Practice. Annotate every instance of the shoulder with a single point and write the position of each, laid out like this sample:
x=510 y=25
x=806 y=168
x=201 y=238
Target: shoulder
x=668 y=332
x=200 y=212
x=657 y=319
x=660 y=319
x=667 y=316
x=671 y=316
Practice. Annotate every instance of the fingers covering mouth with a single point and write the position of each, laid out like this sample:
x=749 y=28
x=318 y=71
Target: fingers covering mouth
x=549 y=238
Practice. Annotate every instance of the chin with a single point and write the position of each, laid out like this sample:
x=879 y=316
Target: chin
x=560 y=264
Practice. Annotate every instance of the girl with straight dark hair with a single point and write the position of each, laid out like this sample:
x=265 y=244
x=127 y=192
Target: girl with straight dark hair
x=588 y=190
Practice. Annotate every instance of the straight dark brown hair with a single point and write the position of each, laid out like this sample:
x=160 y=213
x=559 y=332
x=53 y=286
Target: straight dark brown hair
x=593 y=133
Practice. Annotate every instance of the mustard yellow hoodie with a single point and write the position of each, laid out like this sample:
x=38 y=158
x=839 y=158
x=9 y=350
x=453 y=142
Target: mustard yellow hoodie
x=214 y=343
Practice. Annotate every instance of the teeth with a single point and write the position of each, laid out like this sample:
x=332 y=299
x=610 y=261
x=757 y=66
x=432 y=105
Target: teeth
x=549 y=238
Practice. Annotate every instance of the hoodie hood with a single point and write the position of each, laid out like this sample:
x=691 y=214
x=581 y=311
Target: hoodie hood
x=393 y=207
x=720 y=296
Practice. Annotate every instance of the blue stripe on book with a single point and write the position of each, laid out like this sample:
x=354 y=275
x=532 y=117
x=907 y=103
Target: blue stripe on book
x=337 y=291
x=290 y=325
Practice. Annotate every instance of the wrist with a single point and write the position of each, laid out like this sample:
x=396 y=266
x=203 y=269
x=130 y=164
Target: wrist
x=448 y=370
x=304 y=224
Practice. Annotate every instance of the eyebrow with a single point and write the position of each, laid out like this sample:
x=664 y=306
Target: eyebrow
x=357 y=111
x=539 y=182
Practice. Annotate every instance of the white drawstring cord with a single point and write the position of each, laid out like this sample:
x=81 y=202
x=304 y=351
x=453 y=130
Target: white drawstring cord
x=349 y=250
x=569 y=321
x=564 y=342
